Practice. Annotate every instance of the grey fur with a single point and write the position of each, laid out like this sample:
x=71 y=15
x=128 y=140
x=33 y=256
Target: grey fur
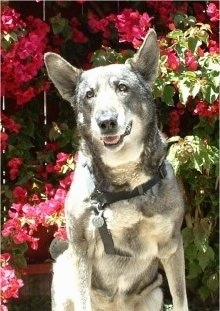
x=147 y=227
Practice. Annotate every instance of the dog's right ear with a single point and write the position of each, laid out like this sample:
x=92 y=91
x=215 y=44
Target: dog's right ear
x=63 y=75
x=146 y=60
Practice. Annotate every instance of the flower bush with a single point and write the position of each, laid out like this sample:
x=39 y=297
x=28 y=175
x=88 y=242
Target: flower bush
x=39 y=149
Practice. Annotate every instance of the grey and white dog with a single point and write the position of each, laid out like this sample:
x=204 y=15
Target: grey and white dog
x=124 y=209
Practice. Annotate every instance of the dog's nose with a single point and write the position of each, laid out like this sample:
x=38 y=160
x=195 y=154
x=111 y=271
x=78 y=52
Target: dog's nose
x=107 y=123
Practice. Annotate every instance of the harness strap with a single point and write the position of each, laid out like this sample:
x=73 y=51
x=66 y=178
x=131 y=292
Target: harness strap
x=101 y=199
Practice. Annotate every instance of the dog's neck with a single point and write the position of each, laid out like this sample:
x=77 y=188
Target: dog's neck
x=129 y=167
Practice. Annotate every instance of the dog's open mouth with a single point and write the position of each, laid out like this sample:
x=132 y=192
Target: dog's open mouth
x=111 y=141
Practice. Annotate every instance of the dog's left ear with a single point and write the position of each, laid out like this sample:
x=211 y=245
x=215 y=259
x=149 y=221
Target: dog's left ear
x=63 y=75
x=147 y=58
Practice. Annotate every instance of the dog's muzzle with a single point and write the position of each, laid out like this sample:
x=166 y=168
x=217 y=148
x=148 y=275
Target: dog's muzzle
x=112 y=141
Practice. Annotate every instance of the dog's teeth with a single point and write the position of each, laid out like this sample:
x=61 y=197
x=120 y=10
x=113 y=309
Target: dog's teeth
x=111 y=140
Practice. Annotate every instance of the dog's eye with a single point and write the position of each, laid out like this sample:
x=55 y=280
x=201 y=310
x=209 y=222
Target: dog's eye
x=90 y=93
x=122 y=87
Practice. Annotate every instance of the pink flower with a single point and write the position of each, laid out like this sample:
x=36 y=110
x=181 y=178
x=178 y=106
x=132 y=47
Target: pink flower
x=10 y=20
x=79 y=37
x=173 y=61
x=66 y=181
x=20 y=194
x=60 y=195
x=4 y=258
x=10 y=284
x=62 y=157
x=14 y=164
x=49 y=190
x=61 y=160
x=4 y=141
x=190 y=61
x=10 y=124
x=13 y=173
x=99 y=25
x=132 y=26
x=206 y=110
x=213 y=47
x=61 y=233
x=22 y=62
x=213 y=12
x=25 y=96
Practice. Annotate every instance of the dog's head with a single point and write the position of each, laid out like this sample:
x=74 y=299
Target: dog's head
x=114 y=103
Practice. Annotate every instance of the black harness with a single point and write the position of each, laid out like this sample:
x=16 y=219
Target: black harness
x=99 y=200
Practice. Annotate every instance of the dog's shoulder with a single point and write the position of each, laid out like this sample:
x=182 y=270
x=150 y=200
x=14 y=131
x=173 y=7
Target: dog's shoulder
x=81 y=187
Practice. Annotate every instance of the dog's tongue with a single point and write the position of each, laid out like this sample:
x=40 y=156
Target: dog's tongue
x=111 y=140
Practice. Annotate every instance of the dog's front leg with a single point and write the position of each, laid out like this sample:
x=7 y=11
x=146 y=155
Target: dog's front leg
x=174 y=267
x=81 y=273
x=71 y=281
x=80 y=262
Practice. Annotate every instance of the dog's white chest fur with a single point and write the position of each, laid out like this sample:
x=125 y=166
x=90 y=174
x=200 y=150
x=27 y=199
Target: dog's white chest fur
x=142 y=237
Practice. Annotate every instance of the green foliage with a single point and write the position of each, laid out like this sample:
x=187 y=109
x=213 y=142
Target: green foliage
x=192 y=153
x=107 y=56
x=61 y=25
x=195 y=160
x=203 y=81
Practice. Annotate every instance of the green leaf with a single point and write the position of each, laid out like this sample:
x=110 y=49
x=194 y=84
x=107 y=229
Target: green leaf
x=211 y=94
x=204 y=292
x=191 y=252
x=191 y=20
x=168 y=94
x=205 y=258
x=213 y=282
x=203 y=36
x=184 y=91
x=176 y=34
x=194 y=270
x=58 y=23
x=188 y=236
x=14 y=36
x=193 y=44
x=195 y=89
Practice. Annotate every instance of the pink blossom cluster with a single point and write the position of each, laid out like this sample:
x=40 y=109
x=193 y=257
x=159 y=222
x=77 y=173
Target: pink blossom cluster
x=10 y=126
x=10 y=284
x=190 y=61
x=4 y=141
x=213 y=12
x=10 y=20
x=174 y=119
x=132 y=26
x=34 y=206
x=101 y=25
x=60 y=161
x=22 y=62
x=173 y=61
x=26 y=216
x=14 y=166
x=77 y=35
x=213 y=47
x=202 y=108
